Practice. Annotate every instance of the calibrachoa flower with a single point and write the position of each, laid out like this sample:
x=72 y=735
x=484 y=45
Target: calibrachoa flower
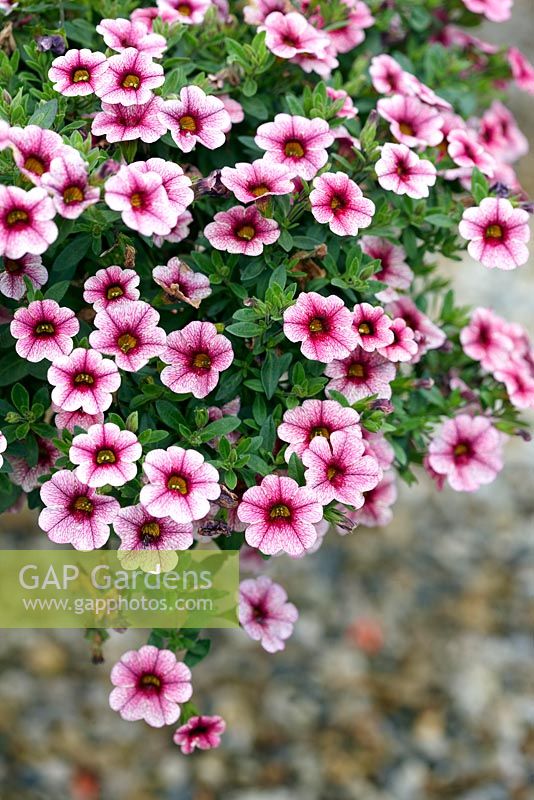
x=338 y=469
x=149 y=684
x=176 y=184
x=378 y=446
x=44 y=330
x=494 y=10
x=338 y=201
x=500 y=135
x=280 y=516
x=181 y=283
x=196 y=354
x=187 y=12
x=180 y=484
x=129 y=78
x=522 y=70
x=196 y=117
x=75 y=74
x=26 y=225
x=74 y=513
x=3 y=447
x=360 y=375
x=404 y=347
x=322 y=324
x=68 y=183
x=348 y=110
x=27 y=476
x=140 y=531
x=128 y=330
x=486 y=339
x=35 y=148
x=241 y=230
x=142 y=200
x=120 y=123
x=111 y=285
x=289 y=34
x=467 y=152
x=202 y=732
x=411 y=122
x=105 y=455
x=316 y=418
x=15 y=270
x=393 y=270
x=376 y=510
x=179 y=232
x=83 y=380
x=70 y=420
x=297 y=142
x=468 y=451
x=518 y=377
x=120 y=34
x=265 y=614
x=427 y=335
x=372 y=327
x=249 y=182
x=400 y=170
x=388 y=77
x=497 y=233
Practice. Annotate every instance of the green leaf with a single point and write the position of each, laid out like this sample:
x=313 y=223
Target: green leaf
x=12 y=368
x=57 y=291
x=169 y=414
x=246 y=330
x=272 y=370
x=479 y=186
x=197 y=652
x=20 y=398
x=220 y=427
x=45 y=114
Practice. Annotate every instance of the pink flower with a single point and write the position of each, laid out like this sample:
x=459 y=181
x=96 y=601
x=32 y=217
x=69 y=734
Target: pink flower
x=486 y=339
x=119 y=34
x=337 y=469
x=249 y=182
x=76 y=73
x=176 y=184
x=139 y=530
x=180 y=484
x=83 y=380
x=289 y=34
x=494 y=10
x=337 y=200
x=499 y=134
x=196 y=117
x=142 y=200
x=26 y=476
x=105 y=455
x=378 y=446
x=111 y=285
x=196 y=354
x=468 y=450
x=388 y=77
x=350 y=35
x=67 y=181
x=468 y=153
x=322 y=324
x=234 y=109
x=401 y=171
x=518 y=377
x=35 y=148
x=202 y=732
x=297 y=142
x=241 y=230
x=257 y=11
x=348 y=110
x=411 y=122
x=427 y=335
x=69 y=420
x=314 y=418
x=360 y=375
x=74 y=513
x=404 y=347
x=128 y=330
x=522 y=70
x=180 y=282
x=15 y=270
x=280 y=516
x=120 y=123
x=149 y=684
x=26 y=225
x=376 y=510
x=129 y=78
x=187 y=12
x=497 y=233
x=372 y=327
x=322 y=63
x=43 y=330
x=394 y=270
x=265 y=614
x=3 y=447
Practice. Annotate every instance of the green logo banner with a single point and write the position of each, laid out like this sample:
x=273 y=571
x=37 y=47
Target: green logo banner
x=119 y=589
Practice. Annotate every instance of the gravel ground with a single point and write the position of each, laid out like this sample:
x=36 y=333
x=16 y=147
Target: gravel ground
x=444 y=709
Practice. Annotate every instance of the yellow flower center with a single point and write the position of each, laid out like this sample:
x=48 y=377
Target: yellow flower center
x=461 y=450
x=85 y=378
x=202 y=361
x=151 y=530
x=259 y=191
x=35 y=165
x=126 y=342
x=324 y=432
x=80 y=75
x=187 y=123
x=494 y=232
x=114 y=292
x=293 y=149
x=177 y=484
x=83 y=504
x=136 y=200
x=11 y=265
x=18 y=215
x=72 y=195
x=280 y=511
x=44 y=328
x=105 y=457
x=406 y=129
x=131 y=81
x=184 y=10
x=247 y=232
x=150 y=680
x=356 y=371
x=335 y=203
x=316 y=325
x=364 y=328
x=331 y=473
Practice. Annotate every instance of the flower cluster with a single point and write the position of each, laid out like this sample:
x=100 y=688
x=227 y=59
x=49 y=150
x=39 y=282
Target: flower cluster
x=221 y=319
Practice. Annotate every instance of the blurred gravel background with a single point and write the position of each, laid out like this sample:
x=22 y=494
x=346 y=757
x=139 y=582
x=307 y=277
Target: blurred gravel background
x=443 y=710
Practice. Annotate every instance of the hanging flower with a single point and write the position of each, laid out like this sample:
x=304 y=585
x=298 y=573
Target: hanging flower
x=411 y=122
x=201 y=732
x=401 y=171
x=361 y=375
x=497 y=233
x=265 y=614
